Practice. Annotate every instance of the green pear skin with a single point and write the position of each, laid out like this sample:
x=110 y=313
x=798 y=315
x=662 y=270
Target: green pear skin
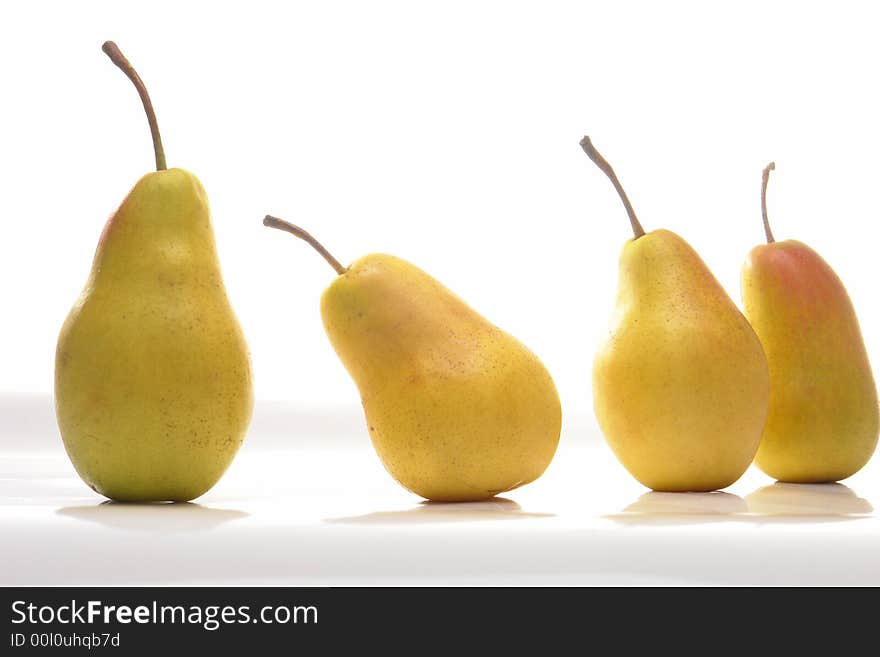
x=153 y=390
x=457 y=409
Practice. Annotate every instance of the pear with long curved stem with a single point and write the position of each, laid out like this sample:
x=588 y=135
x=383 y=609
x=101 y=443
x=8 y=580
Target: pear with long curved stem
x=153 y=389
x=456 y=408
x=824 y=420
x=680 y=382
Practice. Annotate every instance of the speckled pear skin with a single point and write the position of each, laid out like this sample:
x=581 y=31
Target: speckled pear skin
x=823 y=423
x=153 y=389
x=680 y=382
x=456 y=408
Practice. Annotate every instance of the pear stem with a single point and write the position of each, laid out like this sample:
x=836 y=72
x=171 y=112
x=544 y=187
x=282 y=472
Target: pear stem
x=602 y=163
x=116 y=56
x=280 y=224
x=765 y=176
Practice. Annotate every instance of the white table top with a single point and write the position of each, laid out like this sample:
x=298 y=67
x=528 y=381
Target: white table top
x=307 y=502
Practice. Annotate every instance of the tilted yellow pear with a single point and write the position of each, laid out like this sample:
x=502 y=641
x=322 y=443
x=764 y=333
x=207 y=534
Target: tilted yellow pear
x=456 y=408
x=680 y=383
x=153 y=389
x=823 y=421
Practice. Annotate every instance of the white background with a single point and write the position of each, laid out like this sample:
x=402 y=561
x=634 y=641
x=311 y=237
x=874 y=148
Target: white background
x=445 y=133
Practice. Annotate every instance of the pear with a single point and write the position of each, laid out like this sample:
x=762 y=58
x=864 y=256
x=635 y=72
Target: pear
x=153 y=389
x=823 y=420
x=457 y=409
x=680 y=382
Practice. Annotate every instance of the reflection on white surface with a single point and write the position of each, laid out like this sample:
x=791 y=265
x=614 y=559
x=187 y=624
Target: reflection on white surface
x=498 y=508
x=159 y=517
x=778 y=502
x=303 y=508
x=658 y=508
x=810 y=500
x=714 y=503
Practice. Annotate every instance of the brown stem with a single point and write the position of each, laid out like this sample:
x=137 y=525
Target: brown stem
x=765 y=176
x=280 y=224
x=119 y=59
x=602 y=163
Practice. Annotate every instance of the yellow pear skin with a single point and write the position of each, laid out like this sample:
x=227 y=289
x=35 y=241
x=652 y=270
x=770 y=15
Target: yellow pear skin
x=824 y=417
x=680 y=382
x=457 y=409
x=153 y=389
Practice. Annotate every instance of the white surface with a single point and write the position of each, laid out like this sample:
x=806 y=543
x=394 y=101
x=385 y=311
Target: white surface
x=445 y=133
x=306 y=502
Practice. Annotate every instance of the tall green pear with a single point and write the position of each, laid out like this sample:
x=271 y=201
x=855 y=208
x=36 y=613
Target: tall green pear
x=153 y=389
x=457 y=409
x=824 y=416
x=680 y=382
